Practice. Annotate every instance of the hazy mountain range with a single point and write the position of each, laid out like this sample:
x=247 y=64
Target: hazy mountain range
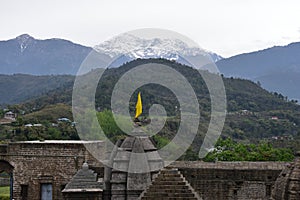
x=46 y=107
x=277 y=68
x=25 y=54
x=130 y=47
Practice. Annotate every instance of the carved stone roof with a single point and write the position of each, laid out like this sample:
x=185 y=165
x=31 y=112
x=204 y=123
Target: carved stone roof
x=85 y=180
x=287 y=185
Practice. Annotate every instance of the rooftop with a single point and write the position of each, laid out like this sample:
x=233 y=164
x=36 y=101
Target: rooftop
x=85 y=180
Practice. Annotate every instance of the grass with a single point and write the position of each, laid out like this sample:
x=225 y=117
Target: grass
x=4 y=193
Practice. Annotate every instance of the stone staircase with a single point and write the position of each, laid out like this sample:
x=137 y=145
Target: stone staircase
x=170 y=185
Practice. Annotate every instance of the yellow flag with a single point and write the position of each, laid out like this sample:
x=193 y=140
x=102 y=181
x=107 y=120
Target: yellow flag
x=138 y=106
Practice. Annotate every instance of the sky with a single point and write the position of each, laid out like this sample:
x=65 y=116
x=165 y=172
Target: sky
x=226 y=27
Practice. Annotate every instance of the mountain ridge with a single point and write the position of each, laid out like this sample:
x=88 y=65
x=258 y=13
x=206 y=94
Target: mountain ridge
x=27 y=55
x=136 y=47
x=250 y=108
x=276 y=68
x=266 y=66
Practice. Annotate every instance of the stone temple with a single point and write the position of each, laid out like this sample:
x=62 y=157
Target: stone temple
x=63 y=170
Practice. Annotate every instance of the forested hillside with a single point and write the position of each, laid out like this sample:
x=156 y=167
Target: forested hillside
x=18 y=88
x=254 y=114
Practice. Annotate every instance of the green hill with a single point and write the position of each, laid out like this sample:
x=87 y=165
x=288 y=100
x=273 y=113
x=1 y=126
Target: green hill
x=254 y=114
x=49 y=114
x=18 y=88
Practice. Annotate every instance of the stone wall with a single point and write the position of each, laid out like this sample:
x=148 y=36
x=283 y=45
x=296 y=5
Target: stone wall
x=287 y=185
x=231 y=180
x=83 y=196
x=50 y=162
x=56 y=162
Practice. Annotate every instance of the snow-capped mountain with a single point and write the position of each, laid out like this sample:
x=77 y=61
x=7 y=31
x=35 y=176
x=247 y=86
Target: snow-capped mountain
x=134 y=47
x=24 y=41
x=25 y=54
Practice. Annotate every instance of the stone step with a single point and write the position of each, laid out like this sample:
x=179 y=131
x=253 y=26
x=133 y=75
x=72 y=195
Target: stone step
x=169 y=198
x=184 y=191
x=169 y=171
x=169 y=184
x=176 y=179
x=164 y=194
x=170 y=187
x=171 y=175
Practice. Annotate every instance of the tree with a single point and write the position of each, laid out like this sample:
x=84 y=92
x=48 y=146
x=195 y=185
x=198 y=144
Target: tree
x=229 y=150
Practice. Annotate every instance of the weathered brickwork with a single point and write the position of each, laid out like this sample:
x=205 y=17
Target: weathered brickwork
x=37 y=163
x=56 y=162
x=231 y=180
x=169 y=184
x=287 y=185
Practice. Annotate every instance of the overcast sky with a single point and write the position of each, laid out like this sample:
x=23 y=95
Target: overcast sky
x=227 y=27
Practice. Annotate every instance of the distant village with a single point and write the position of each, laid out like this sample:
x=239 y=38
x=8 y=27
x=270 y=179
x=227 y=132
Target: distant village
x=10 y=117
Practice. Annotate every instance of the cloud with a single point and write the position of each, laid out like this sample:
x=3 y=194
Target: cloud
x=286 y=38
